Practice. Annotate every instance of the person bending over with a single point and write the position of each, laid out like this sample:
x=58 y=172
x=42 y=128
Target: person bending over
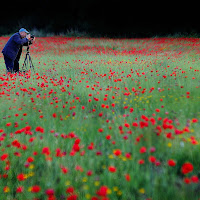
x=13 y=49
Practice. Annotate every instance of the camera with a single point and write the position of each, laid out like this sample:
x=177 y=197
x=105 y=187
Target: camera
x=31 y=40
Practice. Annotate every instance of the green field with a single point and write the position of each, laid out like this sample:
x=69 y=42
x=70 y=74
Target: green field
x=102 y=119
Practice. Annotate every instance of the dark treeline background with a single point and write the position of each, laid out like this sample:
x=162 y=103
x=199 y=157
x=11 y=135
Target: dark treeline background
x=100 y=18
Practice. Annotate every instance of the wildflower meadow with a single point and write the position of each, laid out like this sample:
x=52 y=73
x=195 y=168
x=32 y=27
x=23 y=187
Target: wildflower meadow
x=102 y=119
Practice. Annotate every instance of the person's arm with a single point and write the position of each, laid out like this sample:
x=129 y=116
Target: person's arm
x=20 y=40
x=31 y=41
x=28 y=43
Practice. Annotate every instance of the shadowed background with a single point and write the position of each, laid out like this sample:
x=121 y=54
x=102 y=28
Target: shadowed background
x=101 y=18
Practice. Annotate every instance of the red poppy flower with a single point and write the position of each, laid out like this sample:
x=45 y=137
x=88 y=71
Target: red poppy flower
x=35 y=188
x=127 y=176
x=77 y=141
x=69 y=190
x=76 y=147
x=112 y=169
x=4 y=156
x=8 y=124
x=100 y=130
x=195 y=179
x=187 y=168
x=30 y=159
x=135 y=124
x=64 y=170
x=187 y=180
x=49 y=192
x=126 y=125
x=171 y=163
x=21 y=177
x=143 y=150
x=100 y=114
x=108 y=137
x=39 y=129
x=46 y=151
x=152 y=159
x=94 y=198
x=117 y=152
x=32 y=139
x=72 y=197
x=141 y=162
x=194 y=120
x=89 y=173
x=20 y=189
x=157 y=110
x=102 y=191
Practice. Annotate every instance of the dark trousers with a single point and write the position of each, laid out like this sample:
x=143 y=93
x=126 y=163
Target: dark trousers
x=11 y=65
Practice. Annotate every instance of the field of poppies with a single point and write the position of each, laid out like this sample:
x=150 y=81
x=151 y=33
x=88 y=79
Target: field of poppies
x=102 y=119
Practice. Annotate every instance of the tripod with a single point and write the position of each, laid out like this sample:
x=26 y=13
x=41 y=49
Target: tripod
x=27 y=61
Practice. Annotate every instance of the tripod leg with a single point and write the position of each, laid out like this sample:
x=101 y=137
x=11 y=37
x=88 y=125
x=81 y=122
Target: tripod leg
x=28 y=61
x=31 y=64
x=25 y=63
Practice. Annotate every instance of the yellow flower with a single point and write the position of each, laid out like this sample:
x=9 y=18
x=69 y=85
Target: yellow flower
x=109 y=191
x=110 y=156
x=31 y=174
x=96 y=183
x=85 y=187
x=115 y=188
x=29 y=189
x=119 y=193
x=84 y=179
x=6 y=189
x=25 y=176
x=66 y=117
x=124 y=159
x=169 y=144
x=87 y=196
x=141 y=190
x=31 y=166
x=67 y=183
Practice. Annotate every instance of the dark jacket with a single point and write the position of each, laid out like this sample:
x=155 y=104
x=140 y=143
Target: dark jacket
x=13 y=46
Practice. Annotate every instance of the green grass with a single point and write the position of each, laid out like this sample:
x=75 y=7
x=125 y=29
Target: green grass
x=69 y=68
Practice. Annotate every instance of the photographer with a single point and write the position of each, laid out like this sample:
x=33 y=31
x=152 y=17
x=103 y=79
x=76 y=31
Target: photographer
x=13 y=49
